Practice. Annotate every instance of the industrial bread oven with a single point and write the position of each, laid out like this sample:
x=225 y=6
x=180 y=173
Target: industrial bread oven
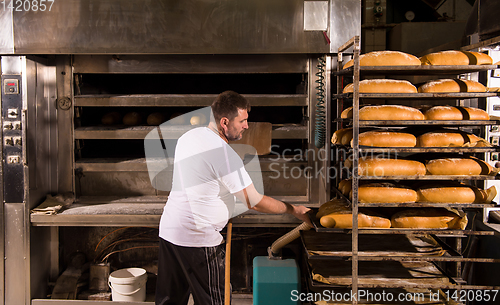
x=65 y=69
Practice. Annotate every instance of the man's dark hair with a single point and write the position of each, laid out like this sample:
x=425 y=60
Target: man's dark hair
x=227 y=104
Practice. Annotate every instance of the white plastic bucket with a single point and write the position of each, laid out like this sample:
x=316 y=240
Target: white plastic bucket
x=128 y=285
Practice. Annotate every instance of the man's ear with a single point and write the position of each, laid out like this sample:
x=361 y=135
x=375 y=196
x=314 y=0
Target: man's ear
x=224 y=122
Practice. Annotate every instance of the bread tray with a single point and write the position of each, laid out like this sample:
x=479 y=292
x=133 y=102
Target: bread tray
x=374 y=149
x=438 y=232
x=320 y=246
x=417 y=70
x=421 y=122
x=429 y=149
x=433 y=177
x=421 y=96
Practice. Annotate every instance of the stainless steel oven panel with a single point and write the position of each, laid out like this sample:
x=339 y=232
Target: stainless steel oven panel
x=64 y=125
x=34 y=125
x=16 y=254
x=345 y=22
x=6 y=32
x=180 y=27
x=244 y=63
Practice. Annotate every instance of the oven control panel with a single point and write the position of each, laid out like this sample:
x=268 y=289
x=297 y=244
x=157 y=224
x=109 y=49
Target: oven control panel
x=12 y=135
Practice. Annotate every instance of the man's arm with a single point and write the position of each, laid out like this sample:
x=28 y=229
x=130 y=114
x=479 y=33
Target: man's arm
x=266 y=204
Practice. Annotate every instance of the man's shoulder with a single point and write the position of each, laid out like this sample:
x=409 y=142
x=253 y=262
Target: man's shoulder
x=197 y=140
x=197 y=134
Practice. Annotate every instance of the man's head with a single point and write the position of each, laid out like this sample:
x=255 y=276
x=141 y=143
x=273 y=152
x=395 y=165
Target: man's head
x=230 y=111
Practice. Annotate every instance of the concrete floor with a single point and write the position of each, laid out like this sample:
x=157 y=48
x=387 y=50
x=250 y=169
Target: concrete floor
x=238 y=299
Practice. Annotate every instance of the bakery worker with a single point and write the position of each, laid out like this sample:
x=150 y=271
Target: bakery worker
x=208 y=174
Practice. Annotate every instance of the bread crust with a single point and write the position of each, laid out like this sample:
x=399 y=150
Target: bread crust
x=445 y=138
x=380 y=193
x=458 y=166
x=451 y=86
x=454 y=58
x=428 y=218
x=385 y=58
x=387 y=139
x=344 y=221
x=385 y=113
x=382 y=86
x=132 y=118
x=452 y=194
x=452 y=113
x=380 y=167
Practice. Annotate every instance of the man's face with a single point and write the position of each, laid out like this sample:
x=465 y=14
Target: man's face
x=237 y=126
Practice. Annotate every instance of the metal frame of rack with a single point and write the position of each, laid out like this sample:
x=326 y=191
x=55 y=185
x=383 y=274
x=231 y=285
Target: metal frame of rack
x=453 y=253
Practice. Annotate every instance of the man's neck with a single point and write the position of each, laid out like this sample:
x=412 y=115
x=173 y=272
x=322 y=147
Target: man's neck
x=218 y=130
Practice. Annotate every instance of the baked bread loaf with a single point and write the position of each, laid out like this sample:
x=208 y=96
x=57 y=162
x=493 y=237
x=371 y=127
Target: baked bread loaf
x=177 y=118
x=451 y=113
x=380 y=167
x=382 y=86
x=339 y=134
x=111 y=118
x=385 y=113
x=478 y=58
x=346 y=113
x=155 y=119
x=198 y=119
x=343 y=220
x=345 y=186
x=453 y=58
x=336 y=214
x=385 y=58
x=459 y=193
x=332 y=206
x=446 y=138
x=451 y=86
x=459 y=166
x=387 y=139
x=132 y=118
x=385 y=193
x=429 y=218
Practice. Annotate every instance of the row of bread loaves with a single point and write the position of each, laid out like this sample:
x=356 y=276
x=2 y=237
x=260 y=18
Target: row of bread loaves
x=389 y=86
x=387 y=138
x=337 y=214
x=397 y=58
x=407 y=113
x=438 y=192
x=134 y=118
x=382 y=166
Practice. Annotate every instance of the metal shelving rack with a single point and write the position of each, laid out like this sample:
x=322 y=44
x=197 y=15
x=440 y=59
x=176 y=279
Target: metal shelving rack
x=453 y=253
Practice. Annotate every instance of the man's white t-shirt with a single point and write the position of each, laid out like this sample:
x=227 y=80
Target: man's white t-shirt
x=207 y=172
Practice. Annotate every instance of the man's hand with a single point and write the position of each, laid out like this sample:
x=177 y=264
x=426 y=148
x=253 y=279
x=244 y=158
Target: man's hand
x=266 y=204
x=300 y=212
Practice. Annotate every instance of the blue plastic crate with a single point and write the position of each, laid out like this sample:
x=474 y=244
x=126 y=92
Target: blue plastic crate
x=275 y=281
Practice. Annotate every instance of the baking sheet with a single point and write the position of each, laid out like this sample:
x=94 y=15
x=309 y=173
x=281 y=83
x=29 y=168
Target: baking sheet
x=326 y=244
x=385 y=273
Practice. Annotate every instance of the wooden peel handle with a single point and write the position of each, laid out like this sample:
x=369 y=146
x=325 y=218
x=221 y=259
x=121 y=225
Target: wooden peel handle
x=227 y=278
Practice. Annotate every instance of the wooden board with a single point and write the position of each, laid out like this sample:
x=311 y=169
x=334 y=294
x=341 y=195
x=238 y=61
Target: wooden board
x=258 y=135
